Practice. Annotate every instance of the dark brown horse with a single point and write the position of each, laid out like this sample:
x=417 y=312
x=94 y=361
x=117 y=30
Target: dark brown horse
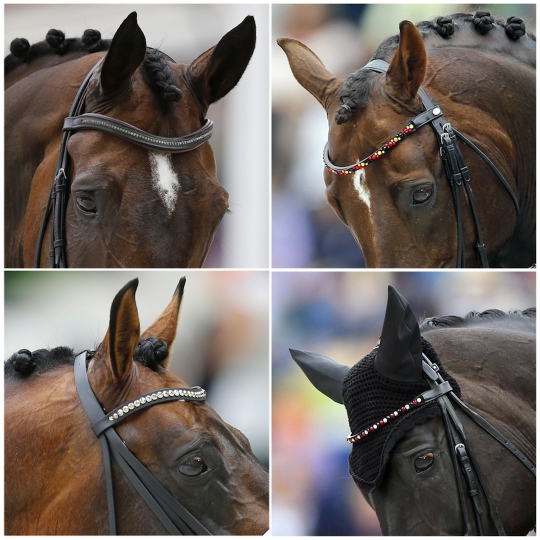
x=402 y=209
x=410 y=458
x=127 y=205
x=54 y=466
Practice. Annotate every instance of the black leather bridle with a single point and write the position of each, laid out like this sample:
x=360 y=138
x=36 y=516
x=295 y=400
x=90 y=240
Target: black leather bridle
x=78 y=122
x=469 y=480
x=457 y=171
x=171 y=513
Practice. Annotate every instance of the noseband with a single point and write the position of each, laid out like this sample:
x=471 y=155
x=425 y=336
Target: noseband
x=79 y=122
x=457 y=171
x=470 y=482
x=171 y=514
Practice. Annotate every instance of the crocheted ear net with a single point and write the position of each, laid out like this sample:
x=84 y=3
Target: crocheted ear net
x=369 y=397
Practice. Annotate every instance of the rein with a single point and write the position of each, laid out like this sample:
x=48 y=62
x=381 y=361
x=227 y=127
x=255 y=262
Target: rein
x=470 y=481
x=76 y=121
x=456 y=169
x=171 y=513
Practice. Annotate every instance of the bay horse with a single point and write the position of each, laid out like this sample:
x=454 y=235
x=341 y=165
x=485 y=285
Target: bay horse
x=178 y=467
x=135 y=180
x=460 y=194
x=443 y=421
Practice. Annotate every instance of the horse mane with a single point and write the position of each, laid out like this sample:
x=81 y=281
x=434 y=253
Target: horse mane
x=356 y=89
x=156 y=71
x=150 y=352
x=475 y=318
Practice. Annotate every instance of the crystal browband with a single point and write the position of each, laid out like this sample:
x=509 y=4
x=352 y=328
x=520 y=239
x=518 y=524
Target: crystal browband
x=146 y=400
x=427 y=396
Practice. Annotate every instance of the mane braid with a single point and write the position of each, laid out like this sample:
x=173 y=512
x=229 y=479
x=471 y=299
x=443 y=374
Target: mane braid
x=475 y=318
x=356 y=89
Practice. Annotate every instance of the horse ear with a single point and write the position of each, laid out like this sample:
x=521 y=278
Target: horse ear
x=326 y=375
x=122 y=336
x=217 y=71
x=309 y=70
x=164 y=327
x=126 y=54
x=408 y=67
x=399 y=357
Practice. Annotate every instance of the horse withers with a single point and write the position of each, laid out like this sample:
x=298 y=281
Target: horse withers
x=443 y=421
x=431 y=157
x=135 y=183
x=177 y=467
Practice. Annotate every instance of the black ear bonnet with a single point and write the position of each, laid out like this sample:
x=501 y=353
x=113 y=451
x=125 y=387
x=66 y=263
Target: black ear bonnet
x=368 y=397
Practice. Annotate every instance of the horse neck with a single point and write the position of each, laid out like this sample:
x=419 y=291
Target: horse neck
x=497 y=118
x=495 y=368
x=53 y=461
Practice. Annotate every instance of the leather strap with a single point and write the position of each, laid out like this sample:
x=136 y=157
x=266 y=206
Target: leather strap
x=172 y=145
x=172 y=515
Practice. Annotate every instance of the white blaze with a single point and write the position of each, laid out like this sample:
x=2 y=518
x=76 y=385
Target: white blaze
x=164 y=179
x=359 y=179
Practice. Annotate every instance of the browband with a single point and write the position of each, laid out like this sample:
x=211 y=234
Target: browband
x=138 y=136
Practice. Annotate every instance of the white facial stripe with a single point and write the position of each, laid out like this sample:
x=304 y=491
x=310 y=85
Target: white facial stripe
x=164 y=179
x=359 y=179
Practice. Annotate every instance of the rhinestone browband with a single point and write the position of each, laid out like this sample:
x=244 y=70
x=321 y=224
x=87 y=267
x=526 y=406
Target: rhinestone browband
x=146 y=400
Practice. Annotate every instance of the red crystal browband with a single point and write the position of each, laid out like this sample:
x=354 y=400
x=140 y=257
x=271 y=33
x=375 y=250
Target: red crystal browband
x=365 y=432
x=412 y=126
x=441 y=388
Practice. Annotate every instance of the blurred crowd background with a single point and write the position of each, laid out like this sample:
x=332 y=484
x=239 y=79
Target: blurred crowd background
x=340 y=315
x=241 y=119
x=305 y=230
x=222 y=341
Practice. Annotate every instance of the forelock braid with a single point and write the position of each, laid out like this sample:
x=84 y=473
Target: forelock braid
x=354 y=95
x=161 y=76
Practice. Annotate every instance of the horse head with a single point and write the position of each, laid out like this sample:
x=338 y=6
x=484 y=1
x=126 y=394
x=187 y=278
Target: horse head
x=401 y=208
x=202 y=462
x=402 y=448
x=130 y=205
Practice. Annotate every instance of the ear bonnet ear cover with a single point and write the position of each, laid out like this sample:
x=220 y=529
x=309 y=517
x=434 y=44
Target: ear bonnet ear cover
x=368 y=397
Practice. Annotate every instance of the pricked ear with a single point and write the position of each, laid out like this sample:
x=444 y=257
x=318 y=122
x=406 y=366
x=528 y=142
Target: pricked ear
x=326 y=375
x=123 y=334
x=309 y=71
x=217 y=71
x=126 y=54
x=399 y=357
x=164 y=327
x=408 y=67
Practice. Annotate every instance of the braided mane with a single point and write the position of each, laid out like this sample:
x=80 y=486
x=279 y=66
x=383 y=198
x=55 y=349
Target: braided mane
x=475 y=318
x=150 y=352
x=156 y=71
x=437 y=33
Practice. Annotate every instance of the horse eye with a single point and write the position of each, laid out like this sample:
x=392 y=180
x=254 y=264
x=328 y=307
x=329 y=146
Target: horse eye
x=86 y=204
x=193 y=466
x=423 y=463
x=421 y=195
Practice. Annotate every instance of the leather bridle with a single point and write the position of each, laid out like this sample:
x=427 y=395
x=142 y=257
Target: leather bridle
x=469 y=480
x=76 y=121
x=456 y=170
x=171 y=513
